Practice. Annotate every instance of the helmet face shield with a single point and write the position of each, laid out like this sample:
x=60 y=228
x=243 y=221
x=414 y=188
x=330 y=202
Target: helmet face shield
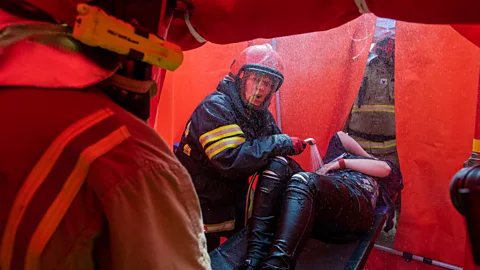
x=258 y=72
x=257 y=89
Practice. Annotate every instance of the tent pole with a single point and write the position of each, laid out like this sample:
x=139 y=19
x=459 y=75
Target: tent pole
x=277 y=94
x=408 y=257
x=475 y=157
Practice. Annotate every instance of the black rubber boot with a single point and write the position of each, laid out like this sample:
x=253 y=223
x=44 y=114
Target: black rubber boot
x=249 y=264
x=266 y=208
x=294 y=225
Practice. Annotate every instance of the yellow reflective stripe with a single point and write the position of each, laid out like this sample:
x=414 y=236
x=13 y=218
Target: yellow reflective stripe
x=228 y=134
x=384 y=106
x=187 y=129
x=220 y=133
x=220 y=227
x=378 y=145
x=221 y=145
x=476 y=145
x=187 y=149
x=374 y=108
x=37 y=177
x=62 y=202
x=250 y=203
x=386 y=111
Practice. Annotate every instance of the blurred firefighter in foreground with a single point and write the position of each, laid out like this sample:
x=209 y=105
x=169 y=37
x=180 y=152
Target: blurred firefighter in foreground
x=232 y=135
x=85 y=183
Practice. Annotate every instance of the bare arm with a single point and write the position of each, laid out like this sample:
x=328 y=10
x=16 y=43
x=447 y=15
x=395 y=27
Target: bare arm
x=375 y=168
x=351 y=145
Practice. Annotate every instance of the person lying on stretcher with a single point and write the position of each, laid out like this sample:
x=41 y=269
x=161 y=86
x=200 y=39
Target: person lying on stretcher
x=338 y=200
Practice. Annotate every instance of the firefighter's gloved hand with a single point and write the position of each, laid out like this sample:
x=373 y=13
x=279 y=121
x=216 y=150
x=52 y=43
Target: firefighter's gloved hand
x=298 y=145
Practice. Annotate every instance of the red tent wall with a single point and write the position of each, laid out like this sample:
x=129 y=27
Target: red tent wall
x=471 y=32
x=436 y=78
x=323 y=74
x=224 y=22
x=469 y=263
x=159 y=77
x=164 y=123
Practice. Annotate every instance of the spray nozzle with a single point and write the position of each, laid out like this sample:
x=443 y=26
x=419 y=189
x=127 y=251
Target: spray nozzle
x=310 y=141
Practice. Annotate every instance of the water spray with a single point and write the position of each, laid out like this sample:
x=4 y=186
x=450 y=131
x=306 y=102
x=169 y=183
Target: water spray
x=315 y=157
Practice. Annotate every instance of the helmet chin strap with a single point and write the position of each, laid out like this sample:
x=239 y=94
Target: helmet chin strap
x=254 y=95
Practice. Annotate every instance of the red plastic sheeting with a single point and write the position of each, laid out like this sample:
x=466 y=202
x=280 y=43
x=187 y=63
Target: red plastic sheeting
x=323 y=74
x=179 y=34
x=428 y=11
x=231 y=21
x=225 y=22
x=160 y=79
x=470 y=32
x=436 y=83
x=165 y=118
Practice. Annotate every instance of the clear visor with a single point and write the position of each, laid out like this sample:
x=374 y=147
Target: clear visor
x=258 y=89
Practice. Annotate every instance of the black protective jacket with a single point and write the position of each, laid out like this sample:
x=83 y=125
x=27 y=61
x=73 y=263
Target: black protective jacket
x=222 y=145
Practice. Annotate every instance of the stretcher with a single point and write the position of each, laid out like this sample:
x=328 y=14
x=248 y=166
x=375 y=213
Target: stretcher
x=316 y=254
